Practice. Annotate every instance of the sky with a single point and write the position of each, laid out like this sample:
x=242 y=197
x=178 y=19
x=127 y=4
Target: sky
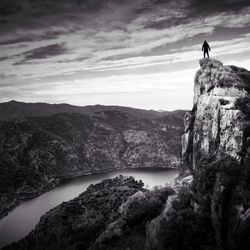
x=140 y=53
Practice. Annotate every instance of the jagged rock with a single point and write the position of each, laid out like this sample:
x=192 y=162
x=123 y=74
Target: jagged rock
x=229 y=81
x=187 y=139
x=211 y=207
x=215 y=149
x=214 y=127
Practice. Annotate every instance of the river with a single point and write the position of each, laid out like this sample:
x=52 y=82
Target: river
x=23 y=219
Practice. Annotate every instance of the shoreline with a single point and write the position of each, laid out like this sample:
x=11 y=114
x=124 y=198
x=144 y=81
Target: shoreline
x=59 y=180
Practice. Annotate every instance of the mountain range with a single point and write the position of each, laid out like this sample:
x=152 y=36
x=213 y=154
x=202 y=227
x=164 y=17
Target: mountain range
x=14 y=109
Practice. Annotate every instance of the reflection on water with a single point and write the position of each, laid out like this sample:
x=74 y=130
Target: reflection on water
x=24 y=218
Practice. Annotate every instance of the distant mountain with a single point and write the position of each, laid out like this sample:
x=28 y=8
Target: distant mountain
x=36 y=152
x=13 y=109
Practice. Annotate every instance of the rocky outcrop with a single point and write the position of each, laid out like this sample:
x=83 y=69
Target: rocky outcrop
x=215 y=151
x=134 y=215
x=36 y=153
x=215 y=126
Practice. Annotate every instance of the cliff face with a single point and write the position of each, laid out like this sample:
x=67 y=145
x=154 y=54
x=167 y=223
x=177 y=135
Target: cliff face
x=217 y=124
x=37 y=152
x=215 y=151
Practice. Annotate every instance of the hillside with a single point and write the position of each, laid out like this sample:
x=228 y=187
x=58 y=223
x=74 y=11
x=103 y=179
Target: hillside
x=38 y=152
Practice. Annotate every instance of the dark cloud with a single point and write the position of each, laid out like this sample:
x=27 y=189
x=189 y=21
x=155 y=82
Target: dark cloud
x=79 y=59
x=3 y=58
x=120 y=56
x=17 y=40
x=46 y=51
x=33 y=37
x=28 y=20
x=162 y=24
x=43 y=53
x=8 y=8
x=45 y=7
x=41 y=15
x=198 y=8
x=6 y=76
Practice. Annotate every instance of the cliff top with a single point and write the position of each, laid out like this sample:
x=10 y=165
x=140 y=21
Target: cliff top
x=210 y=62
x=213 y=74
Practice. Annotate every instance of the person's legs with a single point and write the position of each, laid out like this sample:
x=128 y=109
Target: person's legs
x=206 y=52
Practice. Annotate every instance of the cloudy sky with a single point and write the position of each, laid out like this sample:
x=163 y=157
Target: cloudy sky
x=140 y=53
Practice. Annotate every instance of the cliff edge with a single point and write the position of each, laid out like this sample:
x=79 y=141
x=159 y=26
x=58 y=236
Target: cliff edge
x=216 y=153
x=218 y=124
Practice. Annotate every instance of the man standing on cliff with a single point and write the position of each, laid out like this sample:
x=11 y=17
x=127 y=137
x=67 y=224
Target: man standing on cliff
x=205 y=49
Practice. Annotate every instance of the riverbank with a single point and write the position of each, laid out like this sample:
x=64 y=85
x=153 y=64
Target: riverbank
x=21 y=197
x=28 y=214
x=8 y=205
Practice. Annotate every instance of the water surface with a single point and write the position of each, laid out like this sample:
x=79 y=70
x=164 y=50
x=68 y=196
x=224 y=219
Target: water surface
x=23 y=219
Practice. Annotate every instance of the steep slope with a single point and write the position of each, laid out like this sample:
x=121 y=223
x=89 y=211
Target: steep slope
x=214 y=211
x=217 y=124
x=38 y=152
x=13 y=109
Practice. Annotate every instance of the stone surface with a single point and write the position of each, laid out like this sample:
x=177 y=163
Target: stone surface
x=211 y=207
x=214 y=127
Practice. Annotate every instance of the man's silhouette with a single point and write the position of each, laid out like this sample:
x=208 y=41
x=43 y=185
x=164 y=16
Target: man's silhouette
x=206 y=48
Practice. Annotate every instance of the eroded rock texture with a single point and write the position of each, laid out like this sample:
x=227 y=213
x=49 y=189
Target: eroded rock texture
x=215 y=125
